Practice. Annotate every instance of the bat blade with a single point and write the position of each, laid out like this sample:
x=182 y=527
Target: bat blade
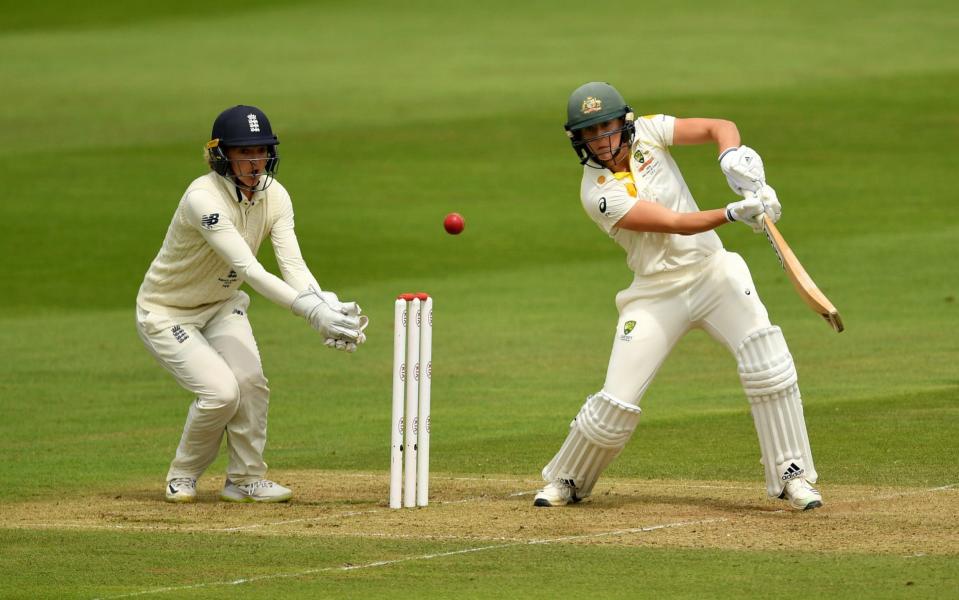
x=802 y=282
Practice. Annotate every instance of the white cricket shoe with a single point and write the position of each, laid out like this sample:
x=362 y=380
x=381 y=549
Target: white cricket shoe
x=801 y=495
x=557 y=493
x=262 y=490
x=181 y=489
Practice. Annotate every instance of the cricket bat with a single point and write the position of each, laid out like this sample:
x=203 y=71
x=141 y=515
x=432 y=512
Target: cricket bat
x=805 y=286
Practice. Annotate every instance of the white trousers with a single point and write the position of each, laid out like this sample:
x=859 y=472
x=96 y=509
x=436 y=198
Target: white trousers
x=717 y=295
x=214 y=356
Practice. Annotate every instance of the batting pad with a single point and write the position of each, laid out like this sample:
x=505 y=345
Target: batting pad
x=769 y=379
x=596 y=436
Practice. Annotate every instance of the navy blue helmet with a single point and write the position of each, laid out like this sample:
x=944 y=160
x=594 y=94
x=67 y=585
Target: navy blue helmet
x=240 y=126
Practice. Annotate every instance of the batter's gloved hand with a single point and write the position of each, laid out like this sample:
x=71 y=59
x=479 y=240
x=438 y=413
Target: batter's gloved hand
x=329 y=321
x=771 y=205
x=748 y=211
x=743 y=169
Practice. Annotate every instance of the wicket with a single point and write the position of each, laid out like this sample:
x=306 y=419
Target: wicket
x=409 y=441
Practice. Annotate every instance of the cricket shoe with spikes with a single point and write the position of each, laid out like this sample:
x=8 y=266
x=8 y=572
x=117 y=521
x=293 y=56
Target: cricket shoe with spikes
x=181 y=489
x=801 y=495
x=262 y=490
x=559 y=492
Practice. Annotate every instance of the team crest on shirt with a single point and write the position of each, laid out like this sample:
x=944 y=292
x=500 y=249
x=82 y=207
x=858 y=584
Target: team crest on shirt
x=591 y=105
x=628 y=327
x=229 y=280
x=647 y=166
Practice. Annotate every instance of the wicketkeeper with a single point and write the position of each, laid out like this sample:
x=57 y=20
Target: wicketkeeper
x=684 y=279
x=192 y=316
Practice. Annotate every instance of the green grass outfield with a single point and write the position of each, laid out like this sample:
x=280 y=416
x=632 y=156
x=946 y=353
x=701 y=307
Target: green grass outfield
x=392 y=115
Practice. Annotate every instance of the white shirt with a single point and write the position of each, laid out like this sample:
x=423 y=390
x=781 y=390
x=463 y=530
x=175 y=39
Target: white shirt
x=210 y=249
x=654 y=177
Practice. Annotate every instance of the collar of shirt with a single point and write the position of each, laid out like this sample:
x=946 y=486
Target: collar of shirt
x=242 y=200
x=231 y=189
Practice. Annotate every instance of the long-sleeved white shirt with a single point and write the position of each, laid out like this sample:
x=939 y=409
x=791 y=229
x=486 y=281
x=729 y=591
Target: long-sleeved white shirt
x=210 y=249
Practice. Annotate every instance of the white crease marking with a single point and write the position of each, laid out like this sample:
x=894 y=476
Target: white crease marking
x=384 y=563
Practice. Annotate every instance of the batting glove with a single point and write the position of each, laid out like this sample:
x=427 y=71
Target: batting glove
x=747 y=211
x=743 y=169
x=771 y=205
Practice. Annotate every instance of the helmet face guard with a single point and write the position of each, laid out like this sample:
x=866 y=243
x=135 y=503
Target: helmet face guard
x=581 y=145
x=591 y=104
x=237 y=127
x=223 y=166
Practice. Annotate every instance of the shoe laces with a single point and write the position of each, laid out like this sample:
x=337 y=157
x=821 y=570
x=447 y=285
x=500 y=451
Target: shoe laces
x=178 y=482
x=565 y=486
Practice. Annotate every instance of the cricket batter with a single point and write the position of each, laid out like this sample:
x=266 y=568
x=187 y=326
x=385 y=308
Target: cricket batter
x=192 y=316
x=684 y=279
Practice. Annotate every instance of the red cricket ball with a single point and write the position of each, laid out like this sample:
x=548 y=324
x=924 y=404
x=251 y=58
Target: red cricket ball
x=454 y=223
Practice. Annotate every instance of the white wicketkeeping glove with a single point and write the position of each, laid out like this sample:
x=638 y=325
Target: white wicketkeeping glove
x=347 y=308
x=350 y=346
x=748 y=211
x=350 y=309
x=331 y=322
x=743 y=169
x=771 y=205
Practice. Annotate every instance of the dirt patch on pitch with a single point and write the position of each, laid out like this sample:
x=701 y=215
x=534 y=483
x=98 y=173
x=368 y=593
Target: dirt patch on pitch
x=498 y=509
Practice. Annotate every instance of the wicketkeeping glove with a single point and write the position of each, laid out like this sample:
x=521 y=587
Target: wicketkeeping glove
x=747 y=211
x=743 y=169
x=350 y=346
x=331 y=322
x=347 y=308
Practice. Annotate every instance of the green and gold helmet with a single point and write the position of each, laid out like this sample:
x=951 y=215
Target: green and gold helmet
x=592 y=103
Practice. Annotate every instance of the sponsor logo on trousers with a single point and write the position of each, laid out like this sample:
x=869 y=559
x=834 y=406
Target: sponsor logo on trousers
x=178 y=334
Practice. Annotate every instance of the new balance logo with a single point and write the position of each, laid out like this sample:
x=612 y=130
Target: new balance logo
x=254 y=124
x=208 y=221
x=792 y=472
x=178 y=334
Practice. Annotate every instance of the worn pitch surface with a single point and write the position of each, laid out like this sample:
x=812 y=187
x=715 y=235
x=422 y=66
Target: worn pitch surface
x=626 y=512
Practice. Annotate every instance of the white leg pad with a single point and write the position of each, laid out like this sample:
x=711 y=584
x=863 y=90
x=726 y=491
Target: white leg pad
x=596 y=436
x=769 y=379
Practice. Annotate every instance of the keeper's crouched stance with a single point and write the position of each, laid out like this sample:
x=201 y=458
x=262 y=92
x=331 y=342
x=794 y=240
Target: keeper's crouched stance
x=684 y=279
x=192 y=316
